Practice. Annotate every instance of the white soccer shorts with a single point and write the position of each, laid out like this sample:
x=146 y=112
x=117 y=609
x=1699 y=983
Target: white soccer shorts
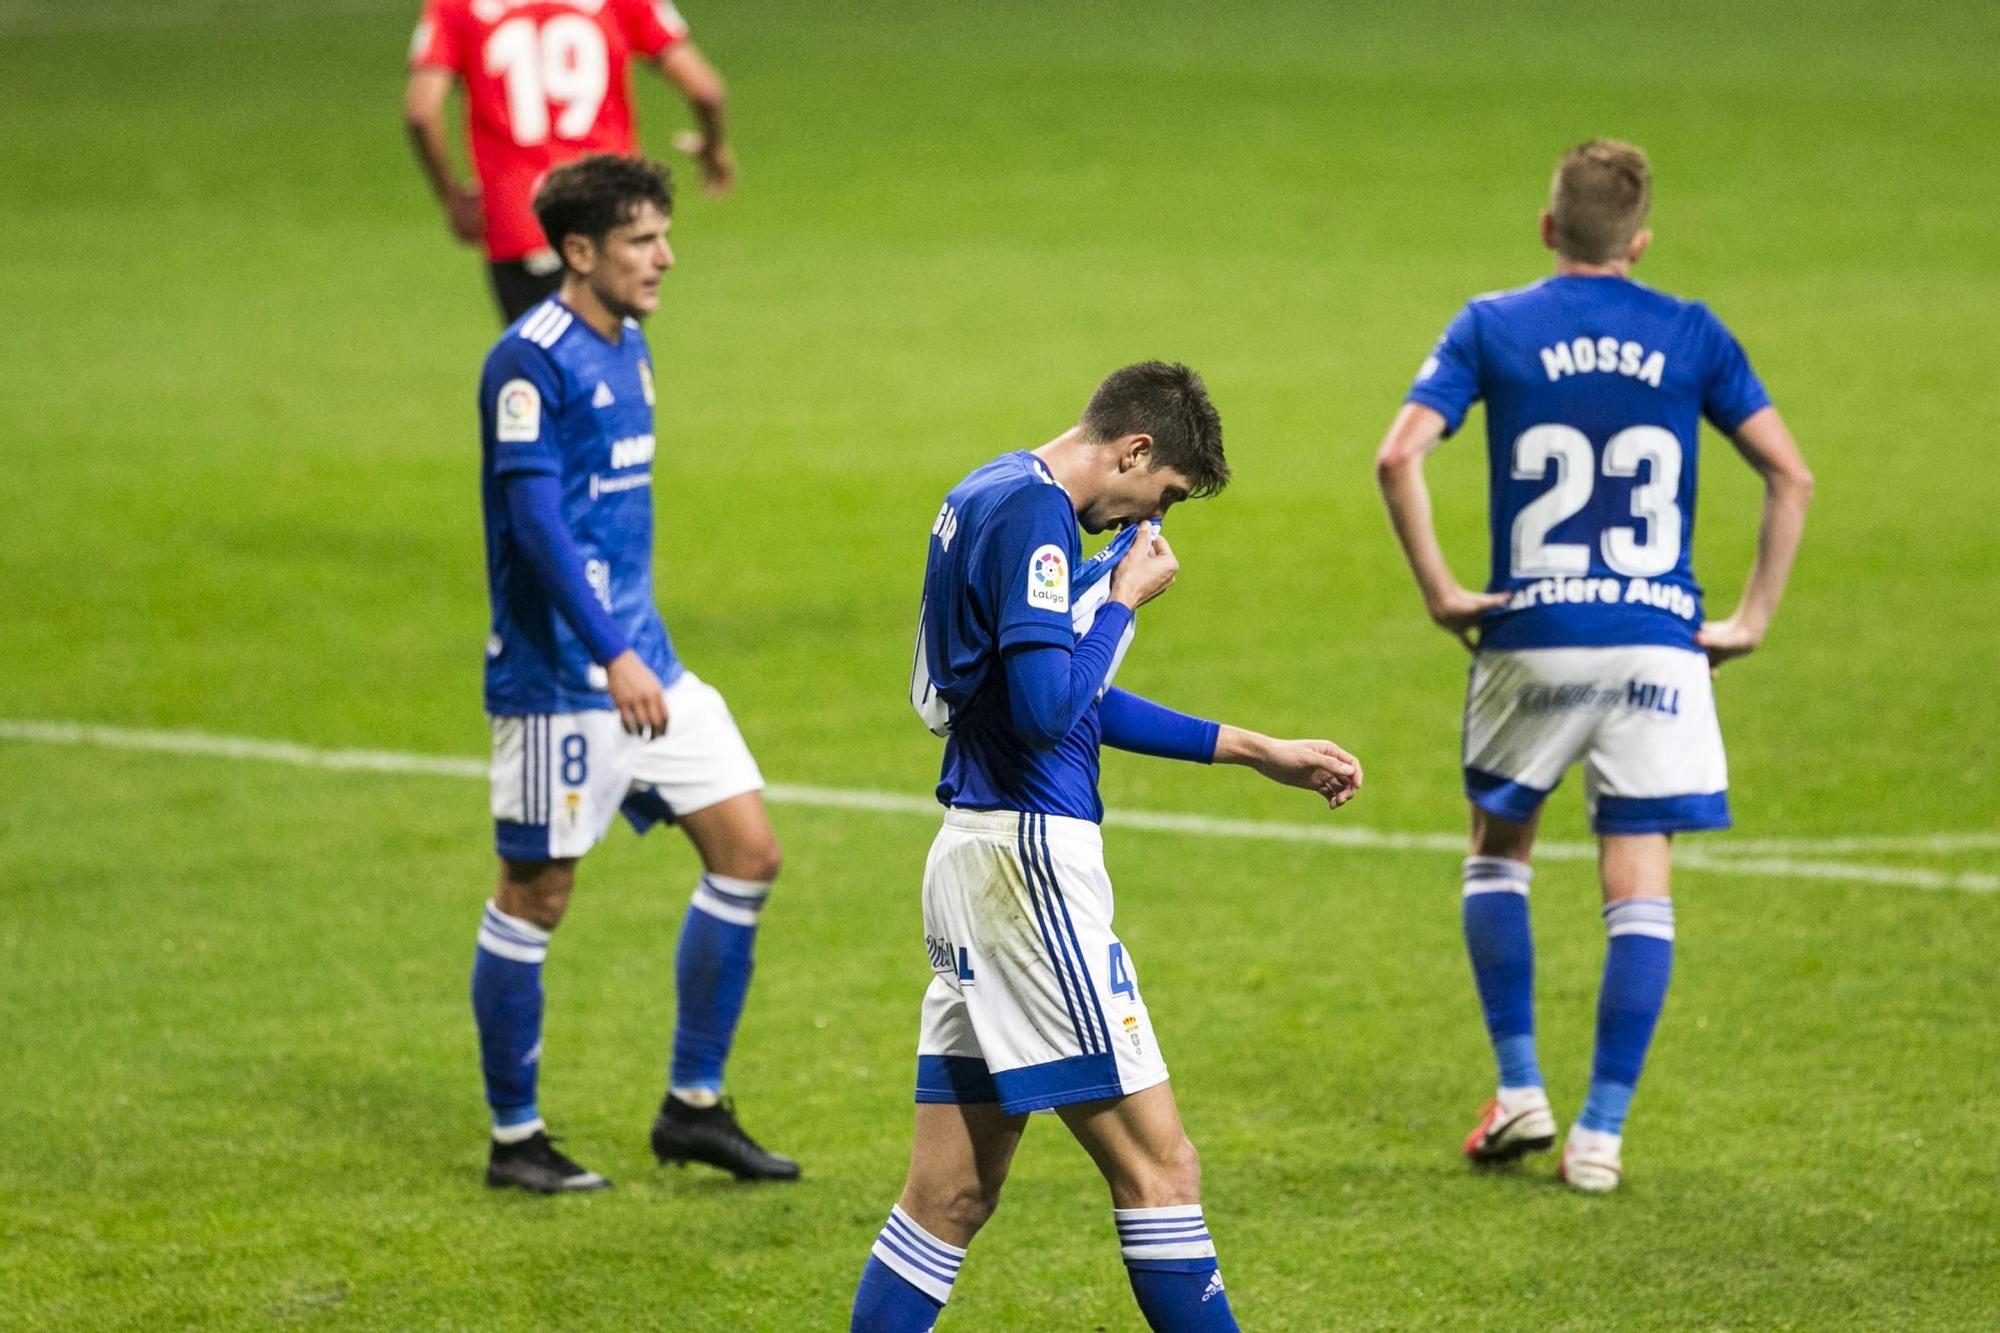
x=1035 y=1003
x=560 y=778
x=1641 y=718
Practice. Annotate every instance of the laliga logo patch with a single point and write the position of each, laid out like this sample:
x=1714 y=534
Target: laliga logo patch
x=519 y=413
x=1048 y=579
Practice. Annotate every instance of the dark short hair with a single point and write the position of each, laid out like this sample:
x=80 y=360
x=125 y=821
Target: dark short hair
x=590 y=196
x=1169 y=402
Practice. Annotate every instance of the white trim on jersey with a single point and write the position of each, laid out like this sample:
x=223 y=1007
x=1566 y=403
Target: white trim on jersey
x=547 y=324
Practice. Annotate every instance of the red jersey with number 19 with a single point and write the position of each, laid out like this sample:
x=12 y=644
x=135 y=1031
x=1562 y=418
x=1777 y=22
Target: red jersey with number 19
x=545 y=82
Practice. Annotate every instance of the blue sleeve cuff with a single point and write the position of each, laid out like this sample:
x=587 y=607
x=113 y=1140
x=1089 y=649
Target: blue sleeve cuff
x=1144 y=727
x=1023 y=633
x=1738 y=413
x=1452 y=412
x=528 y=465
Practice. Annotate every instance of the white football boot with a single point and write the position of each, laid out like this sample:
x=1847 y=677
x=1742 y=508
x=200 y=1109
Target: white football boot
x=1516 y=1121
x=1590 y=1161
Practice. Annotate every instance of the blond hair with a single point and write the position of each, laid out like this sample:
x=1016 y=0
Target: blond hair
x=1598 y=200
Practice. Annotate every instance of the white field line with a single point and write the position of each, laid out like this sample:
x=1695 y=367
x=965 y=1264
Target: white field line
x=1933 y=844
x=1758 y=859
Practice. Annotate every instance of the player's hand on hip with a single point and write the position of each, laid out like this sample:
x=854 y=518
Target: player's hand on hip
x=636 y=694
x=1726 y=640
x=1147 y=570
x=717 y=163
x=1459 y=611
x=465 y=213
x=1315 y=765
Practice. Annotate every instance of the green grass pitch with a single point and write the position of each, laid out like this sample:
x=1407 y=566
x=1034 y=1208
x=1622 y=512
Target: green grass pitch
x=238 y=487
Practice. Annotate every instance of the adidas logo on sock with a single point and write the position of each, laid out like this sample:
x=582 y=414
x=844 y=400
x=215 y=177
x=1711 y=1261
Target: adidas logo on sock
x=602 y=398
x=1214 y=1287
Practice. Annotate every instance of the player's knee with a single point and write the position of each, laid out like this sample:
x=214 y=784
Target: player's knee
x=756 y=863
x=536 y=891
x=545 y=905
x=963 y=1209
x=765 y=859
x=970 y=1211
x=1636 y=866
x=1182 y=1174
x=1173 y=1176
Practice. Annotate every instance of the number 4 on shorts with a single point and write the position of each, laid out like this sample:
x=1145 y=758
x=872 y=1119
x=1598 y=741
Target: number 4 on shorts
x=1121 y=979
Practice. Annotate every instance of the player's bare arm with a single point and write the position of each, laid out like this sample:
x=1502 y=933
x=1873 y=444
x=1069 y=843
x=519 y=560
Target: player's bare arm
x=1314 y=765
x=1399 y=470
x=1148 y=570
x=684 y=66
x=424 y=97
x=1767 y=445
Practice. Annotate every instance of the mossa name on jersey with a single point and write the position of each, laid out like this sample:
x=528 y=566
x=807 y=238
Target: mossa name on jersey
x=1609 y=355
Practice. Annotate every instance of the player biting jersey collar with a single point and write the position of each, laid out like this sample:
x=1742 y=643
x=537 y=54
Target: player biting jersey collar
x=1034 y=1002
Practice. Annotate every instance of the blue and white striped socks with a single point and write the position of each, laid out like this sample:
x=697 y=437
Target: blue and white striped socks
x=1170 y=1259
x=1638 y=963
x=711 y=981
x=507 y=1003
x=907 y=1281
x=1502 y=949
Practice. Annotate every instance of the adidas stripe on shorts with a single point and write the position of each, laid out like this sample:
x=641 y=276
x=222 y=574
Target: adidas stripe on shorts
x=1035 y=1002
x=559 y=779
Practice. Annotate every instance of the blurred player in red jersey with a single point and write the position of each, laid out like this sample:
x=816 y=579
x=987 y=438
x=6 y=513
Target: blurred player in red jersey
x=545 y=82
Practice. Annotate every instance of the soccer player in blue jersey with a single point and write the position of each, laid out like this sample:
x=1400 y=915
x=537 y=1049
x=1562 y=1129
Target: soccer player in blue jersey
x=1590 y=640
x=592 y=712
x=1035 y=1003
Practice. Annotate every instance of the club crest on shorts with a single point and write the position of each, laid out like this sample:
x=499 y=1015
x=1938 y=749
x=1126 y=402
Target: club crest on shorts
x=1048 y=579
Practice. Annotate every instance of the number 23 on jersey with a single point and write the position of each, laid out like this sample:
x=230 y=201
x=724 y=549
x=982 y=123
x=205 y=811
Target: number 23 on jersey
x=1565 y=453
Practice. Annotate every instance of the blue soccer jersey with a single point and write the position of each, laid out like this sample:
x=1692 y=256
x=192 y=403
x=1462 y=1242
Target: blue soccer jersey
x=556 y=398
x=1594 y=391
x=1003 y=553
